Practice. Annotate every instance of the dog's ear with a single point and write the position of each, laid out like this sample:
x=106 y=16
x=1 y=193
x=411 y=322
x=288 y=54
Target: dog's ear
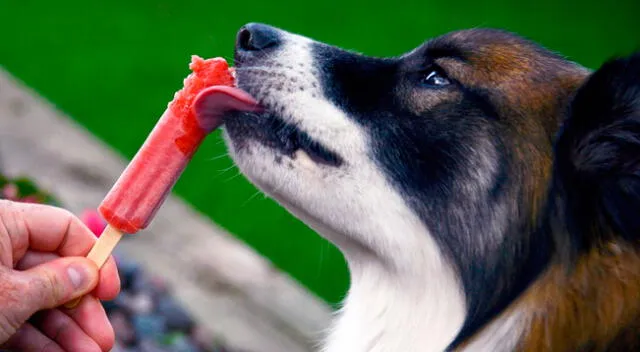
x=597 y=156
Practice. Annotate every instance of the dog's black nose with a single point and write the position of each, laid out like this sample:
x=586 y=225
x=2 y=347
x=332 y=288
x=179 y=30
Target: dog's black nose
x=257 y=37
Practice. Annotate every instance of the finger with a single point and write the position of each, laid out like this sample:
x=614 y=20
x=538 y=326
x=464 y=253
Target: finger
x=53 y=283
x=47 y=229
x=63 y=330
x=109 y=281
x=109 y=285
x=91 y=317
x=34 y=258
x=30 y=339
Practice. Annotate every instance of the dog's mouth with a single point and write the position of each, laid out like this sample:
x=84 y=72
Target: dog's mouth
x=268 y=126
x=272 y=131
x=289 y=140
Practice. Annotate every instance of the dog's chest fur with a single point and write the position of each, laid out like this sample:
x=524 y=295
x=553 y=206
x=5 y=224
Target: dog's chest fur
x=380 y=315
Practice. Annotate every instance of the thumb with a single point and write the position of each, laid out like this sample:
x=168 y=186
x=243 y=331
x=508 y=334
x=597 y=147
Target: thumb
x=54 y=283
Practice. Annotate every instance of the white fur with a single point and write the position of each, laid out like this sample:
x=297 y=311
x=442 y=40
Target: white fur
x=501 y=335
x=404 y=295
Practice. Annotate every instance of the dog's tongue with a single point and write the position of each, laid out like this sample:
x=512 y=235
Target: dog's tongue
x=211 y=104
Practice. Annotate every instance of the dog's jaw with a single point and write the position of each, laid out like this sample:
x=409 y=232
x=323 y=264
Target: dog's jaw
x=404 y=295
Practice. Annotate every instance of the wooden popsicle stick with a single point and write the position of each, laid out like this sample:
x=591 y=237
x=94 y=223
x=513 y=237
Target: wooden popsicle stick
x=100 y=253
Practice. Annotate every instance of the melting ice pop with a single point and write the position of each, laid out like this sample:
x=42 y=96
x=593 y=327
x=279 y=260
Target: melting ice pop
x=195 y=111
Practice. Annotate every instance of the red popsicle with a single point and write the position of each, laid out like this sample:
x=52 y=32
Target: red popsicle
x=195 y=111
x=145 y=183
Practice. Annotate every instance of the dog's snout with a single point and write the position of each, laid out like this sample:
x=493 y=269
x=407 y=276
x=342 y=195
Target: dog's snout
x=257 y=37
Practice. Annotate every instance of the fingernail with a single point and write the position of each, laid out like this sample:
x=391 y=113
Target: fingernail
x=77 y=275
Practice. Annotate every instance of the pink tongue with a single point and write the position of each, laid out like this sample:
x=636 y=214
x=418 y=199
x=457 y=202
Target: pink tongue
x=212 y=103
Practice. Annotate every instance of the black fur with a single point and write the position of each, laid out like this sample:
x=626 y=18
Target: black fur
x=273 y=132
x=597 y=169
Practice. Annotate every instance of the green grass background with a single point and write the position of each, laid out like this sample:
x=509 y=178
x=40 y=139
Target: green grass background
x=113 y=66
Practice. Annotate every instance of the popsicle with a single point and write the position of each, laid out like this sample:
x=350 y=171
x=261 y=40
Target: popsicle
x=196 y=110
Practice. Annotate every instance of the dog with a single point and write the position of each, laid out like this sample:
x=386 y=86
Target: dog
x=484 y=190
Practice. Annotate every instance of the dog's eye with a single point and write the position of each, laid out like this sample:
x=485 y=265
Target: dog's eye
x=435 y=79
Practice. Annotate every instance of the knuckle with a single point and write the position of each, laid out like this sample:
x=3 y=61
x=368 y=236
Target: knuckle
x=11 y=288
x=65 y=213
x=47 y=287
x=13 y=226
x=12 y=304
x=5 y=204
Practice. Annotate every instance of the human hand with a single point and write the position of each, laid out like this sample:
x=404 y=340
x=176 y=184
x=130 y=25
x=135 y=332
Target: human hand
x=42 y=266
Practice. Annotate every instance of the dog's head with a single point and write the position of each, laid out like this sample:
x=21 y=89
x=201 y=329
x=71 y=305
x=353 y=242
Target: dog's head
x=441 y=155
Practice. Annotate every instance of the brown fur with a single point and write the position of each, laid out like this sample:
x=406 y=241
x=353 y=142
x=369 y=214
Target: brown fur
x=586 y=307
x=592 y=306
x=531 y=91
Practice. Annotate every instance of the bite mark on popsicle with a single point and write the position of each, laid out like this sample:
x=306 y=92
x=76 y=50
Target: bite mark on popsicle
x=205 y=73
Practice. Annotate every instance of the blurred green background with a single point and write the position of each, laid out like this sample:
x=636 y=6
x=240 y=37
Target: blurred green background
x=114 y=65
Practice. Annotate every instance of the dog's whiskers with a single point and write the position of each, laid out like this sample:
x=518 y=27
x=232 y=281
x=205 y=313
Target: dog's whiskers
x=228 y=58
x=223 y=171
x=263 y=69
x=250 y=199
x=223 y=155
